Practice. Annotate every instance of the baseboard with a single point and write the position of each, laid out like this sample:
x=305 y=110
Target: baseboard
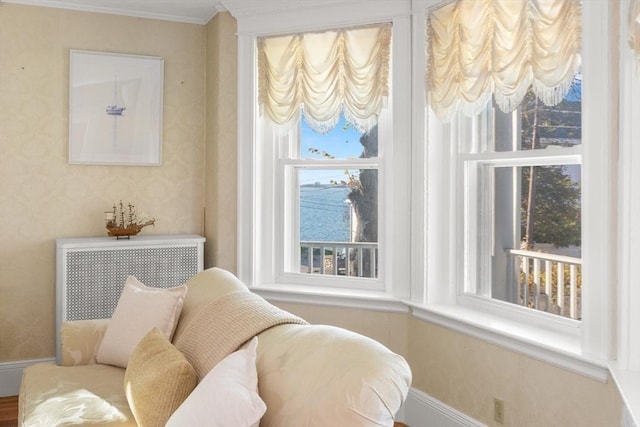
x=11 y=375
x=422 y=410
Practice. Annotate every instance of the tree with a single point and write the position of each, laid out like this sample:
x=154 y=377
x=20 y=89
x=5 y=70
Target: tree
x=550 y=198
x=556 y=213
x=364 y=199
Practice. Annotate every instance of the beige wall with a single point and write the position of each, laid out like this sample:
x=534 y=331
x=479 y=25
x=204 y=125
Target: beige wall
x=43 y=197
x=220 y=185
x=468 y=373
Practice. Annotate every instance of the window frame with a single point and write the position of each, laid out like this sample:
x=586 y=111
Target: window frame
x=256 y=230
x=469 y=161
x=287 y=210
x=625 y=368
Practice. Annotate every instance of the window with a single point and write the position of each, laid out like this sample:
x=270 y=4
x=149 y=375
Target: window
x=332 y=221
x=329 y=78
x=482 y=275
x=522 y=201
x=325 y=149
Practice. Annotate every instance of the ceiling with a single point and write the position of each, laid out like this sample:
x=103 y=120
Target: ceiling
x=191 y=11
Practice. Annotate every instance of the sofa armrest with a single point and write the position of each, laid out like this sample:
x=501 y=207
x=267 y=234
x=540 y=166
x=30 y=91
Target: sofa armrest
x=314 y=375
x=80 y=340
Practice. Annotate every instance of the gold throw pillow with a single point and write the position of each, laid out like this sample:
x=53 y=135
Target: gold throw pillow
x=157 y=380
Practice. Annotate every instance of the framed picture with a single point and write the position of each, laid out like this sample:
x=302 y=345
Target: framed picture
x=115 y=109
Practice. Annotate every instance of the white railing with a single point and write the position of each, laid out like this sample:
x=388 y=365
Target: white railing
x=547 y=282
x=356 y=259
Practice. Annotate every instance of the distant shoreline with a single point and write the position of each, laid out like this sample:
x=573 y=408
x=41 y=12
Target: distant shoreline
x=320 y=185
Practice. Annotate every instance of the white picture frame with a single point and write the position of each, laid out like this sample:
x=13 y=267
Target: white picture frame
x=115 y=108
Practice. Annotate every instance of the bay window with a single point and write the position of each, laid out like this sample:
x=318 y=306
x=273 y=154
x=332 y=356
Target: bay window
x=494 y=166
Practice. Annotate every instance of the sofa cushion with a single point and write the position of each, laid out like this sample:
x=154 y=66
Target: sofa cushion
x=321 y=375
x=53 y=395
x=80 y=340
x=227 y=396
x=157 y=380
x=140 y=309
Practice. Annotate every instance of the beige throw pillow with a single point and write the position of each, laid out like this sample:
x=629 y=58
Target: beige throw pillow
x=140 y=309
x=157 y=380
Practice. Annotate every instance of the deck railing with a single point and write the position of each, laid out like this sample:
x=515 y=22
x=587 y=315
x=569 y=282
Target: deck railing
x=355 y=259
x=548 y=282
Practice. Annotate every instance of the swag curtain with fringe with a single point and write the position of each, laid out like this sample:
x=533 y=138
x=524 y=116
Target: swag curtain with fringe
x=480 y=48
x=325 y=74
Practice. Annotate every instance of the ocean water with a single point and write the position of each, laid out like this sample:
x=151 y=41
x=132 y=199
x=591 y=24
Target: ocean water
x=324 y=215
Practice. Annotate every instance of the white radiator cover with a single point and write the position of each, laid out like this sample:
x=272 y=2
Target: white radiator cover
x=91 y=271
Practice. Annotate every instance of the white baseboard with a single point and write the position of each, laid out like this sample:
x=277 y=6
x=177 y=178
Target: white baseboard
x=11 y=375
x=422 y=410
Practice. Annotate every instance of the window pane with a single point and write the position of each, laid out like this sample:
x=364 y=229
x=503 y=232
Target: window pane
x=536 y=259
x=524 y=221
x=324 y=208
x=343 y=142
x=338 y=221
x=543 y=126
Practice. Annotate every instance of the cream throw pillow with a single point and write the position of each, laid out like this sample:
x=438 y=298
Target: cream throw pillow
x=226 y=396
x=140 y=309
x=157 y=380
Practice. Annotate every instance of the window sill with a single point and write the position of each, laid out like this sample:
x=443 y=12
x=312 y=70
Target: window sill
x=628 y=383
x=369 y=300
x=545 y=345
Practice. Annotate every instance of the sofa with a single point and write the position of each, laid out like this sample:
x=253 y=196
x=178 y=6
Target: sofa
x=238 y=361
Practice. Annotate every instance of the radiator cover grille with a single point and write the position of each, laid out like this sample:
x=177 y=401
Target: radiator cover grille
x=95 y=278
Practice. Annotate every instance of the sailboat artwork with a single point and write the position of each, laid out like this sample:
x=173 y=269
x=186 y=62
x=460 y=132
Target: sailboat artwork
x=114 y=110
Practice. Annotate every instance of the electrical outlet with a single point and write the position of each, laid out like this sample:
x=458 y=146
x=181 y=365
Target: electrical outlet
x=498 y=410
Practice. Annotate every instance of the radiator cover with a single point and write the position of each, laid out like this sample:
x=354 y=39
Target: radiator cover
x=91 y=272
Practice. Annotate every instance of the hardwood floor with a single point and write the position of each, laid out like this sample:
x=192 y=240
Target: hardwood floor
x=9 y=411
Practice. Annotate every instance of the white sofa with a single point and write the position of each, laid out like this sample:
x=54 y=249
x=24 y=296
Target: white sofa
x=308 y=375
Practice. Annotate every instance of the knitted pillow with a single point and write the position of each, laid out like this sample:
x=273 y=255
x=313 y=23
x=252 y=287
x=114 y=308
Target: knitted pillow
x=157 y=380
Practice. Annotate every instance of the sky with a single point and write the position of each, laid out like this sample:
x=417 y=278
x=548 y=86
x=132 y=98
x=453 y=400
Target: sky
x=340 y=142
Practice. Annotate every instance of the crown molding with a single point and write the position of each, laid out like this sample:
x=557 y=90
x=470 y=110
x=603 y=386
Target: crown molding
x=201 y=17
x=244 y=8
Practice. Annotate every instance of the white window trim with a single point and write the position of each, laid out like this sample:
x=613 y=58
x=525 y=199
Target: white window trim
x=262 y=275
x=584 y=350
x=626 y=368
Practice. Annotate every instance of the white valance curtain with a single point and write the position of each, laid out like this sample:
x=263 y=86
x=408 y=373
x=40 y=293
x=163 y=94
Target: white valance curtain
x=479 y=48
x=324 y=74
